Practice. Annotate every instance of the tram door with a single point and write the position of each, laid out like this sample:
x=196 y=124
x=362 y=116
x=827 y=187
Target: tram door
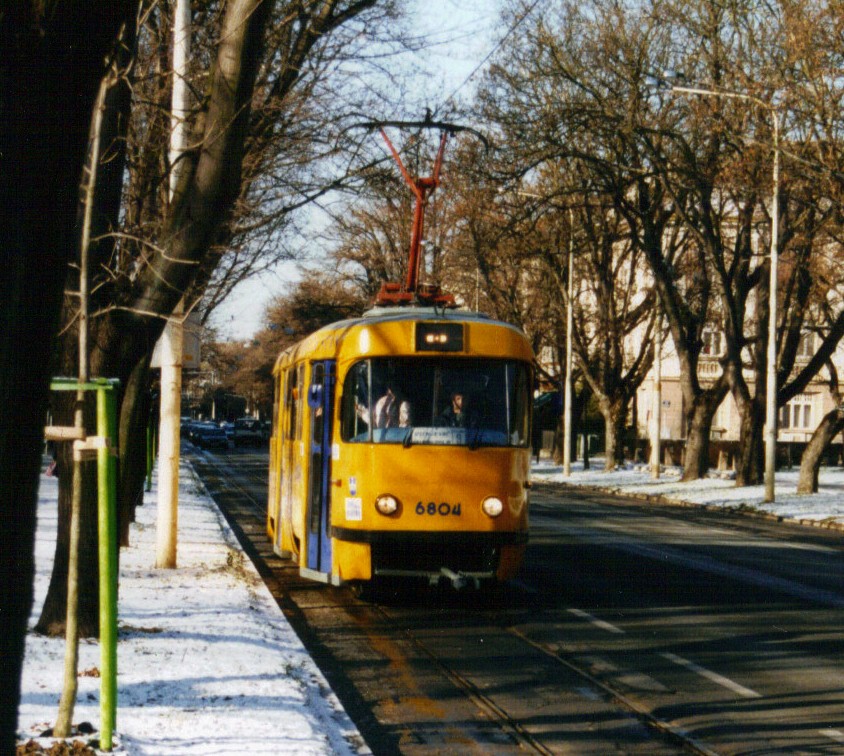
x=318 y=516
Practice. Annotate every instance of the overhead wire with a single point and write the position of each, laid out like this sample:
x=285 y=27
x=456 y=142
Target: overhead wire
x=515 y=25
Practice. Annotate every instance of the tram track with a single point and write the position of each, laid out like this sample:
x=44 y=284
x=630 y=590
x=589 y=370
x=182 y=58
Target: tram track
x=674 y=735
x=483 y=702
x=378 y=624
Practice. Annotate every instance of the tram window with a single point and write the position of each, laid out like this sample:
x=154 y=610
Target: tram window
x=277 y=399
x=299 y=399
x=290 y=403
x=317 y=385
x=453 y=402
x=356 y=417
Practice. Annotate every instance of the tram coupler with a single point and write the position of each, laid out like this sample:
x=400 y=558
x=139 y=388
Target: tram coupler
x=458 y=580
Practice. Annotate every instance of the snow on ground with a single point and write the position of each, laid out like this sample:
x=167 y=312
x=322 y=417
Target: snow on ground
x=719 y=490
x=207 y=663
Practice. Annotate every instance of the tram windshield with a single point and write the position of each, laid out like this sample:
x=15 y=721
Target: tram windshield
x=455 y=402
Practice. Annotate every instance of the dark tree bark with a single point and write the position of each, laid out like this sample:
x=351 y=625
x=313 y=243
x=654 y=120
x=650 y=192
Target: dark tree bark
x=135 y=415
x=700 y=416
x=750 y=459
x=614 y=422
x=50 y=69
x=123 y=337
x=104 y=221
x=810 y=464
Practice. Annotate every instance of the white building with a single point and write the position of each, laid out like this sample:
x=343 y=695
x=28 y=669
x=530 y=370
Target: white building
x=796 y=421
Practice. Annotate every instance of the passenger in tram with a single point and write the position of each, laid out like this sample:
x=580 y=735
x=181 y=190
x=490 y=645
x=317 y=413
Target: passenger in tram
x=392 y=410
x=454 y=415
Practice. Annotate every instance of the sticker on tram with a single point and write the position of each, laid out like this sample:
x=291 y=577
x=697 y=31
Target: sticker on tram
x=354 y=508
x=441 y=509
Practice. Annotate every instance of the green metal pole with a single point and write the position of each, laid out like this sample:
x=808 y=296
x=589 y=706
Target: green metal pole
x=107 y=496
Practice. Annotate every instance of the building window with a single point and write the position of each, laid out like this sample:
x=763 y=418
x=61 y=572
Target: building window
x=806 y=347
x=711 y=343
x=797 y=414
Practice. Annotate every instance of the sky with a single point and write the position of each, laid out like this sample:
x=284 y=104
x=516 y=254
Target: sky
x=207 y=662
x=464 y=32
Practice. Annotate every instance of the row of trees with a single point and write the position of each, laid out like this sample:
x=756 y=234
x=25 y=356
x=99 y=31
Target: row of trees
x=273 y=83
x=680 y=186
x=663 y=198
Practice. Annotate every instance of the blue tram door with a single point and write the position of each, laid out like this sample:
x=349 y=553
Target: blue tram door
x=318 y=516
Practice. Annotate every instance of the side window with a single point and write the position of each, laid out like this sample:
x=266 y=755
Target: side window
x=300 y=399
x=317 y=387
x=277 y=399
x=290 y=403
x=520 y=413
x=357 y=400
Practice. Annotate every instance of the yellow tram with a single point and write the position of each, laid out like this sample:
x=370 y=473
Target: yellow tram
x=400 y=447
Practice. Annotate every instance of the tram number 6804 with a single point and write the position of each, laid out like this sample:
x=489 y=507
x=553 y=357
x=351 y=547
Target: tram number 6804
x=443 y=509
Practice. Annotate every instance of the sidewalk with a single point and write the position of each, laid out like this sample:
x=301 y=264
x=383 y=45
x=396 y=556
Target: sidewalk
x=717 y=491
x=207 y=662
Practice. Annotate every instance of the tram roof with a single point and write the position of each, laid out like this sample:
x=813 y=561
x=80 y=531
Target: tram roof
x=396 y=314
x=377 y=315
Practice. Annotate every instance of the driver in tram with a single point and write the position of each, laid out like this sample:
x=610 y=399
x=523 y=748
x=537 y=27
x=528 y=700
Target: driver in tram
x=454 y=415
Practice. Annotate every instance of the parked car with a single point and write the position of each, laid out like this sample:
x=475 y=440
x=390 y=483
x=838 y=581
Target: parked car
x=247 y=432
x=196 y=427
x=211 y=436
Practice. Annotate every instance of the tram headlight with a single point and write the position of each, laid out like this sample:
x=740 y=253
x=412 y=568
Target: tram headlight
x=493 y=506
x=386 y=504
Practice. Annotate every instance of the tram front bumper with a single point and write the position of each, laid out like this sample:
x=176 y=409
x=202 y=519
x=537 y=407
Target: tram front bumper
x=456 y=556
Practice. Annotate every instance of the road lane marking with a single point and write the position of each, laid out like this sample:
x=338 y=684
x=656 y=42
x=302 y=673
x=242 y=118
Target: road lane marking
x=713 y=676
x=597 y=622
x=835 y=735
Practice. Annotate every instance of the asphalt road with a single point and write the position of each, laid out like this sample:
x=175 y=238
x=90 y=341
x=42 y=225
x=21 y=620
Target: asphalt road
x=632 y=629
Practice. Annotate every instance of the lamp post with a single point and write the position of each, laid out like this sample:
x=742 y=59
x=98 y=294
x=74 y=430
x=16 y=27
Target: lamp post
x=567 y=386
x=771 y=383
x=567 y=389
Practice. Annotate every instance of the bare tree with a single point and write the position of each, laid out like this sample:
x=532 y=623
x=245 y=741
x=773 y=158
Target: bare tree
x=690 y=175
x=168 y=248
x=51 y=64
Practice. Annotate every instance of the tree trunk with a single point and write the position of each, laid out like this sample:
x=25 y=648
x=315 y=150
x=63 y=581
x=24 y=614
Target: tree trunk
x=122 y=338
x=54 y=612
x=134 y=418
x=831 y=425
x=614 y=430
x=50 y=69
x=697 y=441
x=750 y=459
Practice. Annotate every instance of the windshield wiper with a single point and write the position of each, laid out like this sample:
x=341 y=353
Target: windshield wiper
x=408 y=437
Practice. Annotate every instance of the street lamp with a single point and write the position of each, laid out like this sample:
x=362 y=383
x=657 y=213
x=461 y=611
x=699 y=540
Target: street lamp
x=567 y=389
x=771 y=397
